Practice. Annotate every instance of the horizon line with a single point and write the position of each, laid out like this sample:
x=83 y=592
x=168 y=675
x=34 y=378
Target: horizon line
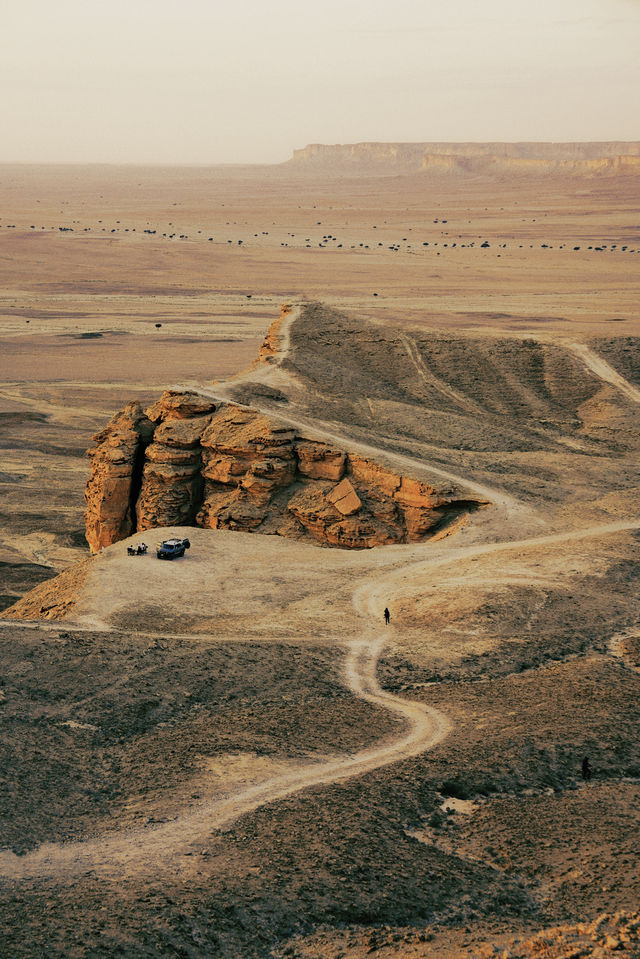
x=203 y=164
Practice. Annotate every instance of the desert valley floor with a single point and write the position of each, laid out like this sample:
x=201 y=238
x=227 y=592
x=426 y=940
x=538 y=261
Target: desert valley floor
x=231 y=754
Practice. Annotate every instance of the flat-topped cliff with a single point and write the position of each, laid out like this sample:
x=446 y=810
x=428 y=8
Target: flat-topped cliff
x=587 y=159
x=397 y=156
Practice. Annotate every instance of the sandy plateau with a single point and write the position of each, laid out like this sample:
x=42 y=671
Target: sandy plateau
x=230 y=754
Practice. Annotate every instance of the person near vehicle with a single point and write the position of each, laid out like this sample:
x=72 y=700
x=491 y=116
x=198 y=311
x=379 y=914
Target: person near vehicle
x=387 y=616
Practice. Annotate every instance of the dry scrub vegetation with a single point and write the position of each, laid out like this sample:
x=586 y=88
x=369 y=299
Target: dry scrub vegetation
x=169 y=686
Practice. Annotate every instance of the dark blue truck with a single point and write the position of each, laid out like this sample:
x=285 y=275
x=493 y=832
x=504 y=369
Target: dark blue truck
x=171 y=548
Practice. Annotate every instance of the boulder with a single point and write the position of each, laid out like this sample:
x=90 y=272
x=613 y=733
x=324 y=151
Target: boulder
x=230 y=510
x=320 y=516
x=313 y=511
x=344 y=498
x=265 y=476
x=224 y=469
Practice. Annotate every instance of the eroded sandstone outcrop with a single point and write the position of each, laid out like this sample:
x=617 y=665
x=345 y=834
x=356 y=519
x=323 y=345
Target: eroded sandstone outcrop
x=171 y=488
x=189 y=461
x=247 y=459
x=116 y=464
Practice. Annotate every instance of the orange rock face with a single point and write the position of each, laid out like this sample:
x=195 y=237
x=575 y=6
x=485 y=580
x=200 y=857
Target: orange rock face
x=319 y=461
x=179 y=405
x=371 y=474
x=247 y=458
x=186 y=462
x=171 y=483
x=115 y=460
x=344 y=498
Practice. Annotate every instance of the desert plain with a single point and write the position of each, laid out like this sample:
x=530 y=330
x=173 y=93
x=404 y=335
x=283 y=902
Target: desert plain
x=231 y=754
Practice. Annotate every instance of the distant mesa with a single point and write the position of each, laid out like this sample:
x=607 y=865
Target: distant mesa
x=404 y=157
x=474 y=159
x=187 y=461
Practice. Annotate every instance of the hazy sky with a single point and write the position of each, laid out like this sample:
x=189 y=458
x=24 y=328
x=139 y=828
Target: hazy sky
x=201 y=81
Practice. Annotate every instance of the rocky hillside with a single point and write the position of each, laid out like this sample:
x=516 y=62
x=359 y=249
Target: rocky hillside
x=189 y=461
x=609 y=935
x=54 y=598
x=573 y=159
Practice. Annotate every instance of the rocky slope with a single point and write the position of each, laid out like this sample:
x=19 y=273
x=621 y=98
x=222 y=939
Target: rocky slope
x=617 y=934
x=572 y=159
x=53 y=599
x=189 y=461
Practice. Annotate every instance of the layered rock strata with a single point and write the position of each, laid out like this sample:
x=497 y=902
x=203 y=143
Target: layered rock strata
x=187 y=461
x=570 y=159
x=116 y=463
x=171 y=487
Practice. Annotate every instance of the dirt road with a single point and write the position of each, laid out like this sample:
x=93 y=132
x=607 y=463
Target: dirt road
x=274 y=374
x=158 y=846
x=149 y=848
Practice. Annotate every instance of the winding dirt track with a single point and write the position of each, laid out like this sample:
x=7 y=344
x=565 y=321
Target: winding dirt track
x=150 y=848
x=145 y=849
x=273 y=374
x=603 y=370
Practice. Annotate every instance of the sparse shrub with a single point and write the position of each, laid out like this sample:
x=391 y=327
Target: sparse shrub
x=453 y=788
x=436 y=819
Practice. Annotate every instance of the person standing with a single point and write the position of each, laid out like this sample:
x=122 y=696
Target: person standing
x=586 y=769
x=387 y=616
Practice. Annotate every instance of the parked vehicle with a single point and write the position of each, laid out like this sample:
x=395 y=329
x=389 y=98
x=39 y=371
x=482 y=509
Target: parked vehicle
x=172 y=548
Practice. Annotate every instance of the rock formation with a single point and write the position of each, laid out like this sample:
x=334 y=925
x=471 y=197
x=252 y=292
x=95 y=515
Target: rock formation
x=171 y=482
x=500 y=165
x=188 y=461
x=269 y=347
x=113 y=484
x=53 y=599
x=570 y=159
x=401 y=157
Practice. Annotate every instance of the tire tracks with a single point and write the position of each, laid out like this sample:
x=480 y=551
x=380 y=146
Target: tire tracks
x=155 y=847
x=148 y=848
